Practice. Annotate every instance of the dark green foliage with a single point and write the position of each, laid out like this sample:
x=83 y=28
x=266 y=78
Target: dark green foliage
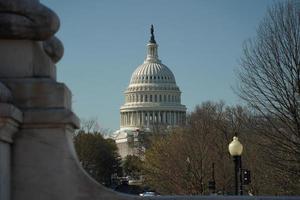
x=132 y=166
x=98 y=156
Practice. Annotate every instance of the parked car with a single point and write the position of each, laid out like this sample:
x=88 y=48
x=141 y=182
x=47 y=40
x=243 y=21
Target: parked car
x=148 y=194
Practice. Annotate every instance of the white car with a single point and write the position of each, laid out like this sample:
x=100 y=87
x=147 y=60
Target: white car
x=148 y=194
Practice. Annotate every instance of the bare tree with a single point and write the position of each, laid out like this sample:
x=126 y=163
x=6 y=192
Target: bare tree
x=180 y=163
x=270 y=82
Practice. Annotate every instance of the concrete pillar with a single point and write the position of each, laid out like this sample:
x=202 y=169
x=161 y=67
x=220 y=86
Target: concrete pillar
x=122 y=119
x=143 y=118
x=140 y=119
x=141 y=115
x=166 y=117
x=129 y=118
x=153 y=117
x=175 y=117
x=148 y=119
x=136 y=118
x=159 y=117
x=10 y=118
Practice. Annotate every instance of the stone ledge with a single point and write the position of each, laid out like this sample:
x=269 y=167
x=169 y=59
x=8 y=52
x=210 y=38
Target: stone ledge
x=24 y=59
x=49 y=117
x=10 y=111
x=39 y=93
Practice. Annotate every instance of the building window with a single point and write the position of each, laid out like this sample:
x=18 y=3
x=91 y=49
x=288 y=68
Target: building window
x=165 y=98
x=169 y=98
x=150 y=98
x=160 y=98
x=141 y=98
x=155 y=98
x=146 y=98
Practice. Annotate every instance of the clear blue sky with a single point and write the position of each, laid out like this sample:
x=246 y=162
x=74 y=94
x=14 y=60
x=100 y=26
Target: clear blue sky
x=199 y=40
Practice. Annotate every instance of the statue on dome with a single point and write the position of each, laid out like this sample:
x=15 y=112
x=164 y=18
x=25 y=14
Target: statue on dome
x=152 y=39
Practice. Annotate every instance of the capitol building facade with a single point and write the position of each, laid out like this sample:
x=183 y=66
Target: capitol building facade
x=152 y=99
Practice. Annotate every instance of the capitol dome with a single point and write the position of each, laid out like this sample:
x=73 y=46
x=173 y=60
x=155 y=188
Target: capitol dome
x=152 y=97
x=152 y=72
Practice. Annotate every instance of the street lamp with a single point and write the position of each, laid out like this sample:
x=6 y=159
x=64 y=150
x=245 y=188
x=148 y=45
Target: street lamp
x=212 y=182
x=235 y=149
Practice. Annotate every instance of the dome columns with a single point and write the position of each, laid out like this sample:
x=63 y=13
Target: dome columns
x=142 y=118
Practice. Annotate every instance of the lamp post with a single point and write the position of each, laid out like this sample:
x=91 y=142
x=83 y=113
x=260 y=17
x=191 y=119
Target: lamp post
x=235 y=149
x=212 y=182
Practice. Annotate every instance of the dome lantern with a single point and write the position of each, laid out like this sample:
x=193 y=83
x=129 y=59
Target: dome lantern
x=152 y=55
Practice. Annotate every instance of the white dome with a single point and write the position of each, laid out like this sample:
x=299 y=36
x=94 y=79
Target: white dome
x=152 y=72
